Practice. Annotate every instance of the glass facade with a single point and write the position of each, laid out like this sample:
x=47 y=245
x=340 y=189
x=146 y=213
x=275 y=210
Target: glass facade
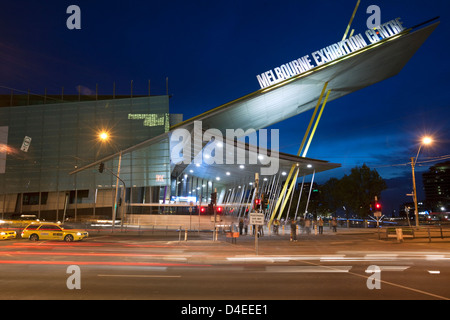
x=64 y=136
x=436 y=183
x=41 y=144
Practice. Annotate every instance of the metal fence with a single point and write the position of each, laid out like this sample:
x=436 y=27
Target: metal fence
x=424 y=232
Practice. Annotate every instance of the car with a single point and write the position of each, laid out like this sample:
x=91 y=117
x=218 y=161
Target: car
x=52 y=231
x=18 y=220
x=7 y=234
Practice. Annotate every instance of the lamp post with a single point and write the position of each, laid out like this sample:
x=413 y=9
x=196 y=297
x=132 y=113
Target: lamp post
x=425 y=141
x=104 y=137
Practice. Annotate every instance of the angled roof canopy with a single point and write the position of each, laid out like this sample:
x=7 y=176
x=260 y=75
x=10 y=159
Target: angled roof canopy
x=355 y=71
x=251 y=162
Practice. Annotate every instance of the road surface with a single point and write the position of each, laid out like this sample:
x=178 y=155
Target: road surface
x=331 y=266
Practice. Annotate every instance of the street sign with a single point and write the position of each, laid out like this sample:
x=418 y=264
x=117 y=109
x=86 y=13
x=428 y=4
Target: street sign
x=25 y=144
x=256 y=218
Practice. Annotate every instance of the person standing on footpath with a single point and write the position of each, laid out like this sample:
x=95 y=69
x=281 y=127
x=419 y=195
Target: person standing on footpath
x=276 y=226
x=241 y=226
x=302 y=225
x=246 y=225
x=334 y=224
x=320 y=224
x=294 y=231
x=307 y=225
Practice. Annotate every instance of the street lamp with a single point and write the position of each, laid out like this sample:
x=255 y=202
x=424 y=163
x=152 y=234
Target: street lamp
x=425 y=141
x=103 y=136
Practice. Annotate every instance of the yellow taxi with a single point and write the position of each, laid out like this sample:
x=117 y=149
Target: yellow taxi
x=7 y=234
x=19 y=220
x=52 y=231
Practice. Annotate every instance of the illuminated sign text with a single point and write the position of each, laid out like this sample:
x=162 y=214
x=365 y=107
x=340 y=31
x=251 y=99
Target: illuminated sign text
x=330 y=53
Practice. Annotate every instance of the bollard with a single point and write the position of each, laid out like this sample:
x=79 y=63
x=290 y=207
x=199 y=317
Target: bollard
x=185 y=234
x=399 y=233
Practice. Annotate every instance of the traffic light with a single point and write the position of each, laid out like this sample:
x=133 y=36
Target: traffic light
x=257 y=204
x=265 y=201
x=210 y=208
x=101 y=167
x=214 y=198
x=375 y=206
x=219 y=210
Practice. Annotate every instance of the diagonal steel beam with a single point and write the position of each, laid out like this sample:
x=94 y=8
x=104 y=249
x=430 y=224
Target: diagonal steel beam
x=290 y=175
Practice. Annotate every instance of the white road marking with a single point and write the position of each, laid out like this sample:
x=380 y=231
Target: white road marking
x=136 y=276
x=308 y=269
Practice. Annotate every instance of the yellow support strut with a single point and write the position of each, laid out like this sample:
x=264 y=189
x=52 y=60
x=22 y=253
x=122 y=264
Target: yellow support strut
x=312 y=118
x=283 y=191
x=291 y=187
x=292 y=183
x=351 y=20
x=304 y=155
x=315 y=125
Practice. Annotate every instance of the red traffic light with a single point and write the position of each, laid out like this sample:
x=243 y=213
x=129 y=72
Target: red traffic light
x=202 y=209
x=257 y=201
x=377 y=206
x=219 y=209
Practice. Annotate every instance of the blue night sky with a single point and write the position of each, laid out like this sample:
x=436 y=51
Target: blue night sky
x=211 y=51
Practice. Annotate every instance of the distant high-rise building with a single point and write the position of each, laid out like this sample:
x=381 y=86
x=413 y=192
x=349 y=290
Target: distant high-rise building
x=437 y=187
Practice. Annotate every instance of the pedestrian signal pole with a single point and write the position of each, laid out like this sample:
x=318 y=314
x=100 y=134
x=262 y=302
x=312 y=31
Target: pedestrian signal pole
x=213 y=203
x=255 y=226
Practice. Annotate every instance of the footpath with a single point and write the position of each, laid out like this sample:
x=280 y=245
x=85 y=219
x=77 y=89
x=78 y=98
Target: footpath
x=343 y=240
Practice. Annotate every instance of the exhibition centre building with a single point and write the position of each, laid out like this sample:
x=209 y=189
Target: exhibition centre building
x=54 y=164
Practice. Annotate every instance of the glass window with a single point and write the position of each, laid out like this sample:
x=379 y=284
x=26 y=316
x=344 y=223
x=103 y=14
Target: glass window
x=32 y=227
x=50 y=227
x=33 y=198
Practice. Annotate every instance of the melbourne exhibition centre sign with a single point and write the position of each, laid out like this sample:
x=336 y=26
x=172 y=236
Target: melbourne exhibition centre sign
x=330 y=53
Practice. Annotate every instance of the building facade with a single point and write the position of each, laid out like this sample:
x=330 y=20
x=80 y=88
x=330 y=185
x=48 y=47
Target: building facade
x=436 y=183
x=41 y=144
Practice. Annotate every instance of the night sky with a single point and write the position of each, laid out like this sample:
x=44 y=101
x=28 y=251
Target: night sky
x=211 y=52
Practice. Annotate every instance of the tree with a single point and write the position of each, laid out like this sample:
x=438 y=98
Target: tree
x=359 y=188
x=331 y=195
x=354 y=192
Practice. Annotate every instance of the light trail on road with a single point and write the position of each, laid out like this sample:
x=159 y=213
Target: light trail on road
x=102 y=263
x=88 y=254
